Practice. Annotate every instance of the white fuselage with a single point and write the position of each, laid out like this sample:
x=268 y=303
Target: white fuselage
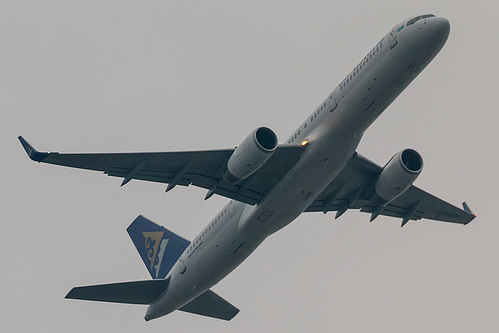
x=333 y=132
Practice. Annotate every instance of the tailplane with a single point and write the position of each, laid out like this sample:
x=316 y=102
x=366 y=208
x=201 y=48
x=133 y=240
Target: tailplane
x=135 y=292
x=158 y=247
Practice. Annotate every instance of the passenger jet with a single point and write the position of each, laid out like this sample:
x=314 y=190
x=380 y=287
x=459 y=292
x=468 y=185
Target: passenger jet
x=269 y=185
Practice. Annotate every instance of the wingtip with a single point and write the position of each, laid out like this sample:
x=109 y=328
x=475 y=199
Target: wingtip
x=468 y=210
x=33 y=154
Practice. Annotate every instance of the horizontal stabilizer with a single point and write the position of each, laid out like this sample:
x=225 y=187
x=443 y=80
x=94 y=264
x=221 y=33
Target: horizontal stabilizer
x=136 y=292
x=209 y=304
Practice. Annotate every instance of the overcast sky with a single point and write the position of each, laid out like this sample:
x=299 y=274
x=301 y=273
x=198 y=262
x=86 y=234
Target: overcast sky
x=105 y=76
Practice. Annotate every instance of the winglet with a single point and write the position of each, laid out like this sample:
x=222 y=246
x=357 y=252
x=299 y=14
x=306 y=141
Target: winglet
x=468 y=210
x=34 y=154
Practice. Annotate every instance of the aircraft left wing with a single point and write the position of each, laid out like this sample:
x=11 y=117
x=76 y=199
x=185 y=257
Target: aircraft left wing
x=353 y=188
x=199 y=168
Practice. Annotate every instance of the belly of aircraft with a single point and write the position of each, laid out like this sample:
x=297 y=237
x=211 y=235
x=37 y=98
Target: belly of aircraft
x=322 y=161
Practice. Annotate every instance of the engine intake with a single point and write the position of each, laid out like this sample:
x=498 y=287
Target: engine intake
x=399 y=174
x=250 y=155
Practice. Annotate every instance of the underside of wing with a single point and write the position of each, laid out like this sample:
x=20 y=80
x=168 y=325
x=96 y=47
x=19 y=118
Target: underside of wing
x=199 y=168
x=354 y=187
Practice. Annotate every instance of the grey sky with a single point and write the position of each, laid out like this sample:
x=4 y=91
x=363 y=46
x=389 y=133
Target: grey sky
x=157 y=76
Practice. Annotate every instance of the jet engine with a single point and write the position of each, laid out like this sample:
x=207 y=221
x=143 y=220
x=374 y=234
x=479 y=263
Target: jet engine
x=250 y=155
x=399 y=174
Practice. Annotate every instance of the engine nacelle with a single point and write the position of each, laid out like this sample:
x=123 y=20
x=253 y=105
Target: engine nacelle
x=250 y=155
x=399 y=174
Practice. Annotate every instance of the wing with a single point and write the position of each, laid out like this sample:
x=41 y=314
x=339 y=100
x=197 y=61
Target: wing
x=353 y=188
x=199 y=168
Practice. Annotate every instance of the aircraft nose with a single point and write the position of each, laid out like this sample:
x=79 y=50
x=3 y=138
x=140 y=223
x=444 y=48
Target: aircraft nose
x=440 y=26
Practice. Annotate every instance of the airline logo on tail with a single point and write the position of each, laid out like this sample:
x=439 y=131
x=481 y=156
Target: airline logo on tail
x=153 y=241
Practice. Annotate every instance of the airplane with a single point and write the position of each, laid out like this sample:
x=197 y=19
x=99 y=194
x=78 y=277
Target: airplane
x=269 y=185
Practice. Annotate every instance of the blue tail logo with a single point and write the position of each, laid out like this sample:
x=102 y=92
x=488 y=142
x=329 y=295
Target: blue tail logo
x=158 y=247
x=152 y=240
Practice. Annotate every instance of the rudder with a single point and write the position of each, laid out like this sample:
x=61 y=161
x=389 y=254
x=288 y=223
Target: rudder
x=158 y=247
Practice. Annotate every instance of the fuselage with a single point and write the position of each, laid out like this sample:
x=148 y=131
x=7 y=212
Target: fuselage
x=331 y=135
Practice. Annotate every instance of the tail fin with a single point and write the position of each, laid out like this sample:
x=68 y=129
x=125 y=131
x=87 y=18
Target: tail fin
x=159 y=248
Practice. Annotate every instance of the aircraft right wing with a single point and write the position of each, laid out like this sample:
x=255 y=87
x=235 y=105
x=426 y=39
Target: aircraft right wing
x=199 y=168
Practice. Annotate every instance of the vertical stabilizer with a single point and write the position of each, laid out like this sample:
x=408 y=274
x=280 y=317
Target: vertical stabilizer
x=158 y=247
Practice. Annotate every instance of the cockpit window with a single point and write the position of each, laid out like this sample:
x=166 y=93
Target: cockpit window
x=417 y=18
x=414 y=20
